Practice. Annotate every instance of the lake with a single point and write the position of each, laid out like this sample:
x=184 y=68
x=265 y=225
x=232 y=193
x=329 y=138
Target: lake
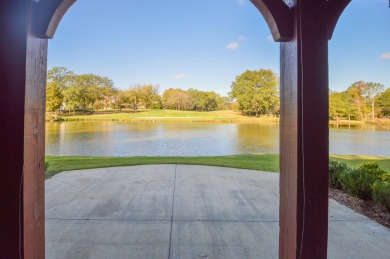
x=196 y=139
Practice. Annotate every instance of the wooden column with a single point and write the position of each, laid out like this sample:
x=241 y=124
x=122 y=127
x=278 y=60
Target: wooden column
x=22 y=96
x=304 y=144
x=34 y=147
x=304 y=30
x=13 y=42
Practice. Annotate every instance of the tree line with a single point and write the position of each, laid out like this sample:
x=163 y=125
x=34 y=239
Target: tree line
x=67 y=91
x=253 y=93
x=361 y=101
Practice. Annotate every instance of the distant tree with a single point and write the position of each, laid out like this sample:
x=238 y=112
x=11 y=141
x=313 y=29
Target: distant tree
x=92 y=88
x=224 y=103
x=196 y=99
x=71 y=91
x=177 y=99
x=350 y=107
x=357 y=91
x=337 y=105
x=58 y=79
x=60 y=76
x=373 y=90
x=211 y=99
x=109 y=97
x=54 y=97
x=135 y=95
x=384 y=102
x=256 y=92
x=74 y=98
x=150 y=96
x=122 y=97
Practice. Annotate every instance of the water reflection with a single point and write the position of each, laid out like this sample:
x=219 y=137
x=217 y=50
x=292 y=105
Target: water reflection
x=195 y=139
x=361 y=127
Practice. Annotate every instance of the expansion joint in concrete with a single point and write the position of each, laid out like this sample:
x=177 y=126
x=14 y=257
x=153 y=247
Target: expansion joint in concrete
x=173 y=206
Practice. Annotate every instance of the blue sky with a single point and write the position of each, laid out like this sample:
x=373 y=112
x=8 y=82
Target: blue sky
x=205 y=44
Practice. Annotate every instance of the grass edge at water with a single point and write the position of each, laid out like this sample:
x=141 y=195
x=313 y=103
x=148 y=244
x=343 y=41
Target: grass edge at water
x=263 y=162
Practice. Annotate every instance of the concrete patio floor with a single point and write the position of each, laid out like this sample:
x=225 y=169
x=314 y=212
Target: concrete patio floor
x=181 y=211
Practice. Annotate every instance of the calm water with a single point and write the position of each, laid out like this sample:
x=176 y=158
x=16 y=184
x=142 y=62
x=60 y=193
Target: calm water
x=195 y=139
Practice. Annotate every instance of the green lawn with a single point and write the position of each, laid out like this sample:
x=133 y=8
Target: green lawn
x=255 y=162
x=355 y=161
x=263 y=162
x=172 y=115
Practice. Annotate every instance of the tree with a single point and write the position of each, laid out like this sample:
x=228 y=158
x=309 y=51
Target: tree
x=122 y=97
x=337 y=105
x=73 y=98
x=135 y=95
x=256 y=92
x=58 y=79
x=177 y=99
x=373 y=90
x=224 y=103
x=109 y=97
x=92 y=89
x=384 y=102
x=54 y=97
x=150 y=96
x=350 y=108
x=60 y=76
x=357 y=91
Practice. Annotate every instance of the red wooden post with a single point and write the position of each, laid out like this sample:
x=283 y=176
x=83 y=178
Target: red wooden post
x=22 y=96
x=13 y=41
x=304 y=135
x=24 y=29
x=304 y=143
x=34 y=148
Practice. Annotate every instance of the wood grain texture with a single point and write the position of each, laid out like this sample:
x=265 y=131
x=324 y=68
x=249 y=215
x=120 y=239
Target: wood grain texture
x=304 y=134
x=22 y=94
x=289 y=135
x=34 y=147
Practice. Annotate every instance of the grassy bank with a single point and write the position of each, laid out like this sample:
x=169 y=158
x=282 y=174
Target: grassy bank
x=144 y=115
x=227 y=116
x=377 y=121
x=263 y=162
x=254 y=162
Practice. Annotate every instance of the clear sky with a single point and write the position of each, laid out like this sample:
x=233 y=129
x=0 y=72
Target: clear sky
x=205 y=44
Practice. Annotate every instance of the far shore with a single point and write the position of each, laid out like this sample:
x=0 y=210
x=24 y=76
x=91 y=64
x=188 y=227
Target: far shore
x=145 y=115
x=226 y=116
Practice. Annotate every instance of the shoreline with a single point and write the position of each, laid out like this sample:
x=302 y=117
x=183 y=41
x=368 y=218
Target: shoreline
x=222 y=121
x=262 y=162
x=204 y=120
x=235 y=119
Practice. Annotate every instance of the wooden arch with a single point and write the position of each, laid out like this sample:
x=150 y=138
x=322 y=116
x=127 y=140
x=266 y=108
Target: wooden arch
x=302 y=26
x=277 y=14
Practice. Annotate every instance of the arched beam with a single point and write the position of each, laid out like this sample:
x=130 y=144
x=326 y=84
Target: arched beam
x=275 y=12
x=335 y=9
x=48 y=15
x=278 y=17
x=57 y=17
